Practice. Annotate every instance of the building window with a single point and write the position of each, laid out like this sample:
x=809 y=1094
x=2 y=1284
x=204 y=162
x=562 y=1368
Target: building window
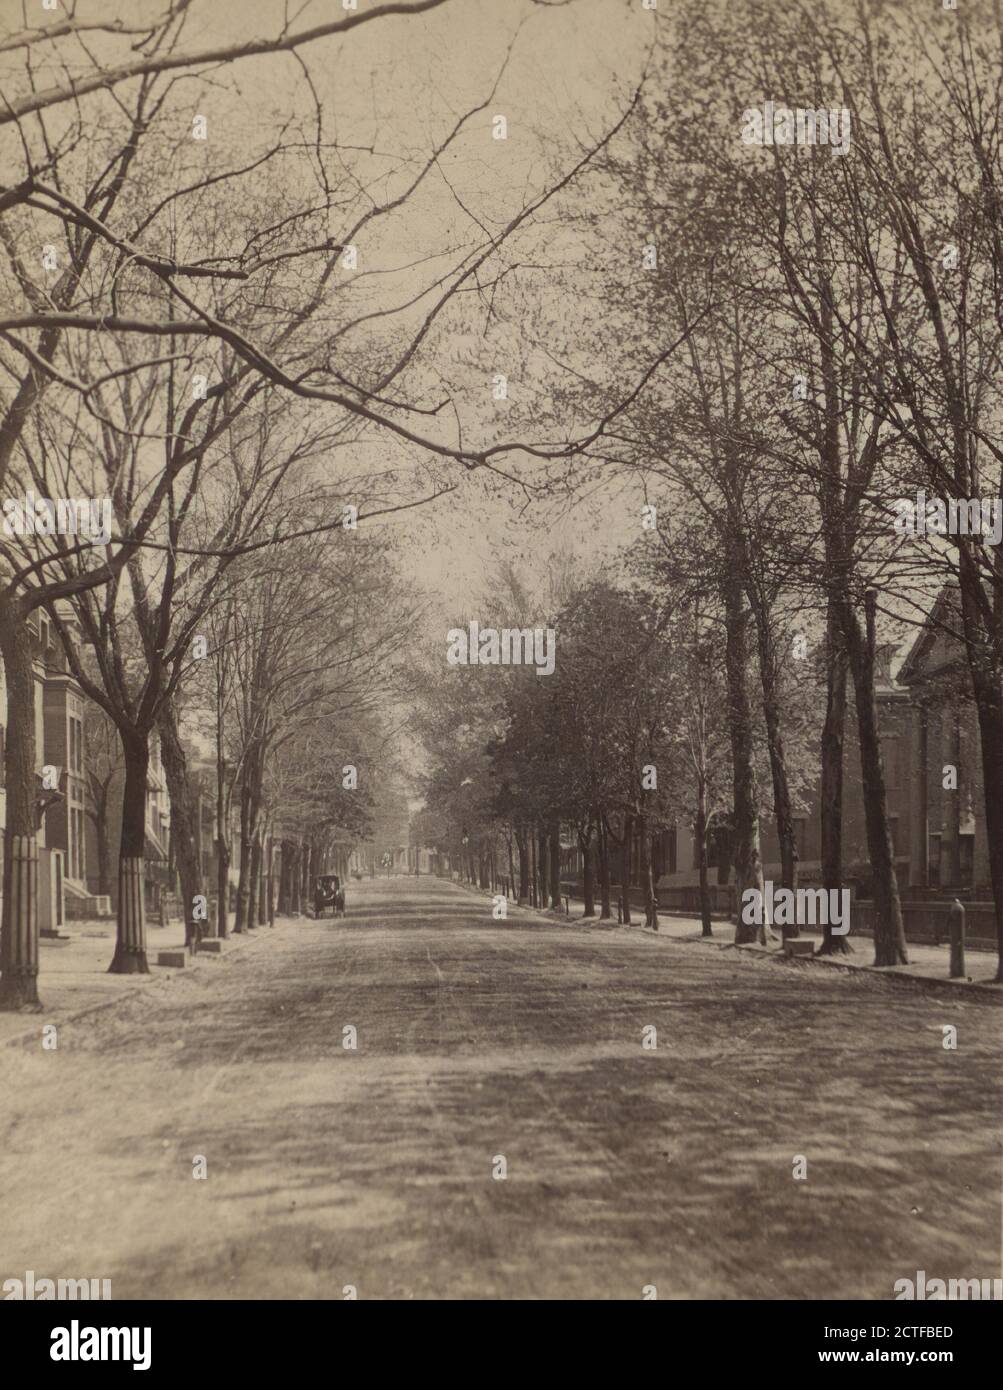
x=77 y=730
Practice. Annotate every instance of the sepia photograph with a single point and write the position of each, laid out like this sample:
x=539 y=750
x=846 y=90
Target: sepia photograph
x=501 y=670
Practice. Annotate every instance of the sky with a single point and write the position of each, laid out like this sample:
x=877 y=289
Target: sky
x=564 y=71
x=568 y=74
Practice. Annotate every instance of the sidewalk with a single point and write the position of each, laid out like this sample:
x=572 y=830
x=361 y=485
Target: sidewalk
x=929 y=964
x=73 y=975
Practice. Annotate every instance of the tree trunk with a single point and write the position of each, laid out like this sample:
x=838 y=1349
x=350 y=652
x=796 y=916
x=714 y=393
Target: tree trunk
x=701 y=834
x=309 y=869
x=243 y=872
x=769 y=671
x=602 y=847
x=832 y=776
x=782 y=808
x=265 y=879
x=989 y=700
x=19 y=939
x=651 y=892
x=283 y=902
x=889 y=936
x=254 y=881
x=555 y=865
x=223 y=886
x=130 y=945
x=983 y=653
x=746 y=853
x=520 y=840
x=647 y=874
x=185 y=815
x=222 y=837
x=588 y=879
x=628 y=831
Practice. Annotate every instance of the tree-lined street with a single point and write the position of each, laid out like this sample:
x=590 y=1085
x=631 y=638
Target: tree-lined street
x=534 y=468
x=626 y=1166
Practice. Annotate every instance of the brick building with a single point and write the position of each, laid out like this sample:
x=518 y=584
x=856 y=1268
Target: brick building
x=62 y=839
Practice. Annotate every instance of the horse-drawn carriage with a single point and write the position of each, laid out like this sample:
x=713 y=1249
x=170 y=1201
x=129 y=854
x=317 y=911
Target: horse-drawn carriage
x=329 y=893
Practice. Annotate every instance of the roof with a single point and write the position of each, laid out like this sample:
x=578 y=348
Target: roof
x=920 y=663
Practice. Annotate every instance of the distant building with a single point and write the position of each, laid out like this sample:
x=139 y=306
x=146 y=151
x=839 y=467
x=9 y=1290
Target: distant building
x=931 y=755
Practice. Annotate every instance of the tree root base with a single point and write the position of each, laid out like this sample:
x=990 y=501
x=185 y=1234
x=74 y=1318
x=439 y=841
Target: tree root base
x=129 y=962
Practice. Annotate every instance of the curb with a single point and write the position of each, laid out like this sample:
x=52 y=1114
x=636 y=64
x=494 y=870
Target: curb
x=982 y=991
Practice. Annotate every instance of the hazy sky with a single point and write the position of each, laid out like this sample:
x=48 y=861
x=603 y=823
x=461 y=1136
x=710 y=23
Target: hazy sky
x=399 y=84
x=396 y=86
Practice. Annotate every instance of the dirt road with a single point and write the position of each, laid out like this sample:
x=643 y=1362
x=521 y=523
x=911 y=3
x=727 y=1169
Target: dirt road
x=486 y=1047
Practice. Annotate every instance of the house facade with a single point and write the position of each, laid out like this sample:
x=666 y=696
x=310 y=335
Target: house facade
x=950 y=843
x=59 y=748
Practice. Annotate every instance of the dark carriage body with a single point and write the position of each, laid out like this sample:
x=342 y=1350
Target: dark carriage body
x=329 y=893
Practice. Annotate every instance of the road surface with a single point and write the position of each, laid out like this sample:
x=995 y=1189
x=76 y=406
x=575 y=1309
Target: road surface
x=486 y=1047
